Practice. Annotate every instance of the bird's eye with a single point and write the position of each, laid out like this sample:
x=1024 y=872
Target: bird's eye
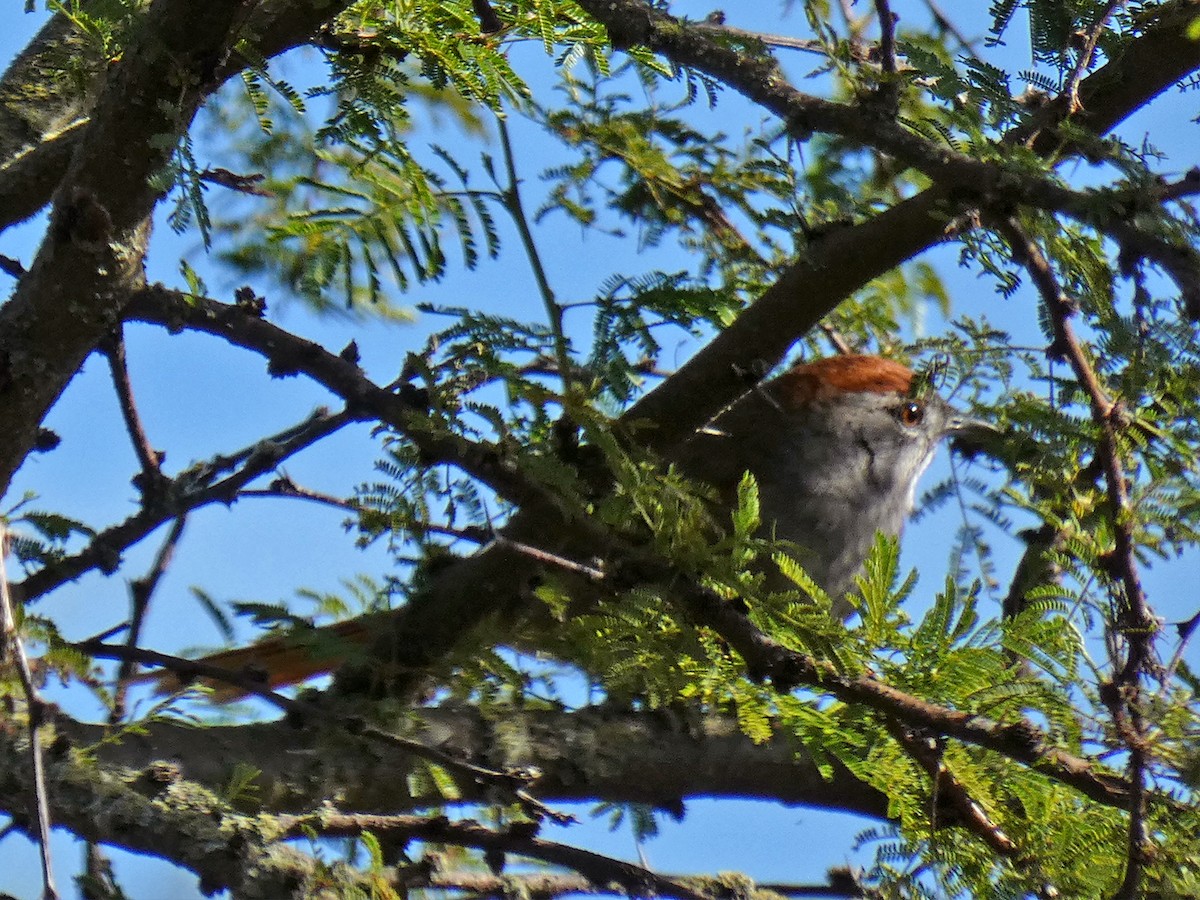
x=911 y=413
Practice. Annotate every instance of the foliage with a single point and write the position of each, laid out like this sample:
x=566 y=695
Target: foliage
x=507 y=426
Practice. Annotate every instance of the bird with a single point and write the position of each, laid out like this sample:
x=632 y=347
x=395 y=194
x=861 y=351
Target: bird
x=836 y=446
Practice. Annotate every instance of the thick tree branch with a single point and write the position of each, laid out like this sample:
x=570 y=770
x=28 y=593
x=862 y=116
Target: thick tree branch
x=546 y=886
x=625 y=757
x=43 y=115
x=73 y=293
x=151 y=811
x=38 y=106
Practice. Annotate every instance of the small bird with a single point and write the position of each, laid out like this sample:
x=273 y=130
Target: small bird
x=836 y=445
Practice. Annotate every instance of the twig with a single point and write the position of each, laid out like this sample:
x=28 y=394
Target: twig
x=515 y=781
x=243 y=184
x=552 y=559
x=140 y=592
x=1123 y=696
x=148 y=458
x=836 y=339
x=1179 y=261
x=12 y=650
x=284 y=487
x=1186 y=186
x=1038 y=127
x=887 y=36
x=511 y=195
x=10 y=266
x=858 y=51
x=948 y=790
x=399 y=830
x=404 y=409
x=193 y=488
x=1186 y=629
x=1107 y=415
x=1086 y=51
x=853 y=25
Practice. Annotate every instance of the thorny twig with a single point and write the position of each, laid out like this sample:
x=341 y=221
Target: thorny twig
x=1123 y=696
x=12 y=651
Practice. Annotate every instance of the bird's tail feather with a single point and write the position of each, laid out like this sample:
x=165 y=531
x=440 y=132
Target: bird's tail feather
x=277 y=661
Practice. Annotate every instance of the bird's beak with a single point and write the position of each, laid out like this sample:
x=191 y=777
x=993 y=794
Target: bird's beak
x=961 y=425
x=970 y=436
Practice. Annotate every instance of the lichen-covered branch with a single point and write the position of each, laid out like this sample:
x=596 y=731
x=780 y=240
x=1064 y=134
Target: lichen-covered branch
x=623 y=756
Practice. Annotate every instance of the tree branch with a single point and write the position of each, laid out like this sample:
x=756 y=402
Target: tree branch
x=39 y=133
x=287 y=354
x=767 y=660
x=140 y=592
x=12 y=653
x=394 y=831
x=845 y=260
x=150 y=460
x=1135 y=620
x=196 y=486
x=649 y=758
x=73 y=292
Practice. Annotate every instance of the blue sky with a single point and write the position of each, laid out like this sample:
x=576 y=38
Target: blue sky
x=199 y=396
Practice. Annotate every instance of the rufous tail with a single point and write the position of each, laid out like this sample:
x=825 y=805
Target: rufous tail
x=278 y=661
